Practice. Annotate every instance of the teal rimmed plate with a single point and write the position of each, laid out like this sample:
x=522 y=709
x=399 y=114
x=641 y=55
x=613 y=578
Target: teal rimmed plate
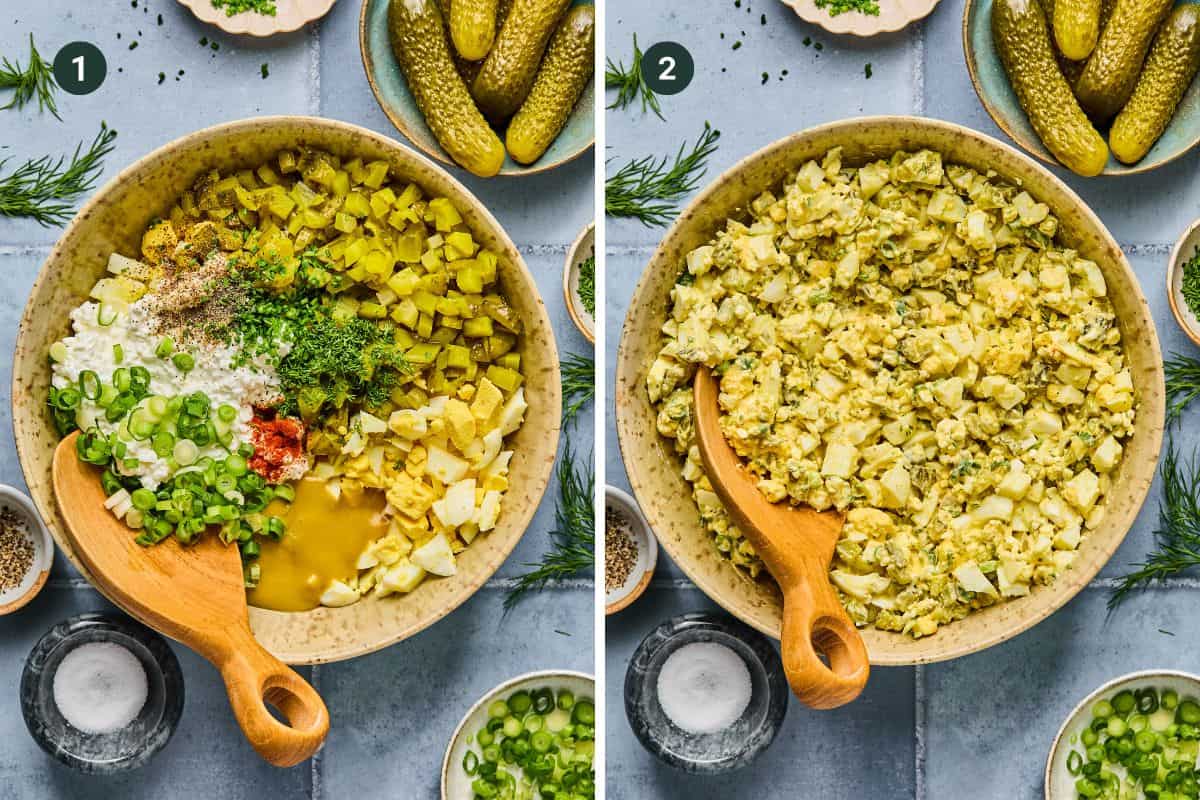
x=391 y=90
x=992 y=86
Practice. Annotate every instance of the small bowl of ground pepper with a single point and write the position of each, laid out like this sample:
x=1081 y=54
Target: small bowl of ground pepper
x=1183 y=282
x=26 y=550
x=630 y=550
x=579 y=282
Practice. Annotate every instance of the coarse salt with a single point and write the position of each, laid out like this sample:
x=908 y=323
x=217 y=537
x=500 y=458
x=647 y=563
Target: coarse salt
x=100 y=687
x=704 y=687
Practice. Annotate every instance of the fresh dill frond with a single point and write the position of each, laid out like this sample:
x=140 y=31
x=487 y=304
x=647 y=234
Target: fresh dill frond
x=630 y=83
x=587 y=285
x=1183 y=383
x=33 y=81
x=40 y=188
x=578 y=384
x=573 y=540
x=1177 y=538
x=647 y=189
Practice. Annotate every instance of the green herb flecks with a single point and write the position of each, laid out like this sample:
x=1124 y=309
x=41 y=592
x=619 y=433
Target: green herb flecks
x=41 y=189
x=573 y=548
x=1183 y=384
x=1177 y=538
x=586 y=288
x=578 y=384
x=647 y=189
x=33 y=81
x=836 y=7
x=231 y=7
x=630 y=83
x=1190 y=288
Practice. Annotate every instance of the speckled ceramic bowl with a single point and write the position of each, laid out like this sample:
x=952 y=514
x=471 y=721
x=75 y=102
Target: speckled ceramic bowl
x=43 y=551
x=642 y=572
x=654 y=469
x=456 y=784
x=583 y=248
x=290 y=15
x=893 y=15
x=1059 y=782
x=1184 y=251
x=997 y=95
x=391 y=90
x=113 y=221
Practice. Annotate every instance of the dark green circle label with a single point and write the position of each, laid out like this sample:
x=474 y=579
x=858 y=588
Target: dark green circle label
x=668 y=68
x=80 y=68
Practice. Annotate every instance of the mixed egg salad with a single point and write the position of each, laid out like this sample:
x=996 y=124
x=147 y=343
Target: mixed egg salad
x=312 y=327
x=905 y=342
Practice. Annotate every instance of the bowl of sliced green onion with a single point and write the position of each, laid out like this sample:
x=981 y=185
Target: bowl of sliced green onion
x=531 y=736
x=1136 y=736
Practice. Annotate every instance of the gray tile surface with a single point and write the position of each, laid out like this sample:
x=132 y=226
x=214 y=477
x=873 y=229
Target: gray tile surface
x=980 y=727
x=392 y=711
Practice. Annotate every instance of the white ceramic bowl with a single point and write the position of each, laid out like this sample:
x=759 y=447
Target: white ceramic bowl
x=1060 y=783
x=647 y=547
x=1185 y=249
x=584 y=246
x=43 y=550
x=456 y=784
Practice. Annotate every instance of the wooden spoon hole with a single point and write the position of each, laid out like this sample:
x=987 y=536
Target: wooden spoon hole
x=287 y=707
x=831 y=648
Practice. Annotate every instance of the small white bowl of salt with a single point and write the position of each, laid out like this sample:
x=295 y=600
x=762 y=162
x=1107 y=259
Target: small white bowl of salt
x=705 y=693
x=101 y=694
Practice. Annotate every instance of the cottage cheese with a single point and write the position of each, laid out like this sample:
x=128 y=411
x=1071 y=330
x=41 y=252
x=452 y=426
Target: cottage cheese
x=91 y=347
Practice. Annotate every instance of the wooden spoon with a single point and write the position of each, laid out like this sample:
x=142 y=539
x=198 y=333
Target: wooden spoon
x=796 y=545
x=195 y=595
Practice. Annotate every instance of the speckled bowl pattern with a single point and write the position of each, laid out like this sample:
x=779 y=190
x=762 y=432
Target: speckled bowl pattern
x=1059 y=782
x=706 y=754
x=893 y=15
x=654 y=469
x=290 y=15
x=997 y=95
x=391 y=90
x=456 y=784
x=102 y=754
x=113 y=221
x=583 y=247
x=1185 y=249
x=43 y=550
x=642 y=573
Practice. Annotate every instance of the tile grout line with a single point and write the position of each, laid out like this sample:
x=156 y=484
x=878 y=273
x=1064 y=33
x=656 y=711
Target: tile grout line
x=315 y=768
x=919 y=730
x=917 y=49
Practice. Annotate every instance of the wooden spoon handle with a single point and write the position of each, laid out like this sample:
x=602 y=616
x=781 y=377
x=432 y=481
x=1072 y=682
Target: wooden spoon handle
x=815 y=623
x=253 y=677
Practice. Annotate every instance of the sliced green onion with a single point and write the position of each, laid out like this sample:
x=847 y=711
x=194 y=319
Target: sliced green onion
x=105 y=315
x=139 y=381
x=118 y=354
x=236 y=465
x=165 y=347
x=285 y=492
x=226 y=413
x=186 y=452
x=183 y=362
x=121 y=379
x=156 y=406
x=58 y=352
x=143 y=499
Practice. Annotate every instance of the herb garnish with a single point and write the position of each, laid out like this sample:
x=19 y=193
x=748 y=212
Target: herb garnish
x=631 y=83
x=1190 y=288
x=36 y=79
x=836 y=7
x=587 y=285
x=1177 y=539
x=39 y=188
x=573 y=548
x=578 y=384
x=1183 y=384
x=231 y=7
x=647 y=188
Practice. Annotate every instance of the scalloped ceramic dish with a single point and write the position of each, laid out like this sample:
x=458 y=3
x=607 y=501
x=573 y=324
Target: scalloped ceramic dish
x=290 y=15
x=998 y=98
x=654 y=470
x=391 y=90
x=113 y=221
x=893 y=15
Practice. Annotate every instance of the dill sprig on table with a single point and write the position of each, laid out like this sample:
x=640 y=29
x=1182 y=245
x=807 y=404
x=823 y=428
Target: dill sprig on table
x=573 y=548
x=40 y=188
x=1183 y=384
x=578 y=384
x=647 y=189
x=1177 y=539
x=35 y=80
x=630 y=83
